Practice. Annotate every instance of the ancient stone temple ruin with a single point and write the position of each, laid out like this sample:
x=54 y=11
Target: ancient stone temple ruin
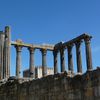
x=65 y=85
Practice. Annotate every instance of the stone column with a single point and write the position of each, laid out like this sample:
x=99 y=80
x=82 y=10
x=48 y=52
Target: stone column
x=7 y=46
x=2 y=39
x=78 y=56
x=18 y=60
x=31 y=63
x=44 y=65
x=70 y=58
x=62 y=59
x=88 y=53
x=55 y=54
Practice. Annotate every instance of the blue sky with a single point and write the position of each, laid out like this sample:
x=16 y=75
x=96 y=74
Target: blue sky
x=51 y=21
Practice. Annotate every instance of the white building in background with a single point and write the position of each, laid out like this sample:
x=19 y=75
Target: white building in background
x=38 y=72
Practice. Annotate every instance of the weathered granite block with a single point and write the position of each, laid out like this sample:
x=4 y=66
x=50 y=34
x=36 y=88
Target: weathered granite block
x=54 y=87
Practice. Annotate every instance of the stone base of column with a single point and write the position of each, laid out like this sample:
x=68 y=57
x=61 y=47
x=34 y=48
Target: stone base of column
x=70 y=74
x=89 y=70
x=64 y=73
x=79 y=73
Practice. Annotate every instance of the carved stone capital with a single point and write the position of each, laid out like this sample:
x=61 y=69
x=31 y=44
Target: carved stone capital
x=87 y=40
x=69 y=47
x=43 y=51
x=31 y=50
x=62 y=50
x=78 y=43
x=18 y=48
x=55 y=53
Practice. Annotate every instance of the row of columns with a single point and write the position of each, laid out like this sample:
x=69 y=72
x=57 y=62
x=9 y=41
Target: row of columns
x=5 y=44
x=62 y=58
x=31 y=63
x=5 y=40
x=78 y=57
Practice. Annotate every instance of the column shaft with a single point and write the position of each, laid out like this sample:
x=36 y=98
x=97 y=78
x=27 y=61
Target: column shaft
x=62 y=58
x=78 y=56
x=44 y=65
x=55 y=54
x=88 y=53
x=7 y=45
x=31 y=63
x=70 y=58
x=18 y=61
x=2 y=38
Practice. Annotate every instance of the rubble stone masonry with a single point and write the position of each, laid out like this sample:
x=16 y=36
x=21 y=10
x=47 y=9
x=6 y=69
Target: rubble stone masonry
x=53 y=87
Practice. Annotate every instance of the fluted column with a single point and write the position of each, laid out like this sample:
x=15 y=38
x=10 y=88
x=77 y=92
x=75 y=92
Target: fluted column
x=7 y=45
x=70 y=58
x=2 y=39
x=88 y=53
x=18 y=60
x=55 y=54
x=78 y=56
x=31 y=63
x=44 y=64
x=62 y=59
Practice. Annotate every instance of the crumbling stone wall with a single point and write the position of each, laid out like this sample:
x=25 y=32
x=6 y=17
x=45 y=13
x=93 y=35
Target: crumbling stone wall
x=53 y=87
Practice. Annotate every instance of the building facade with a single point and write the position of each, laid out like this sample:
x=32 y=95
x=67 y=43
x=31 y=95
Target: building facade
x=38 y=72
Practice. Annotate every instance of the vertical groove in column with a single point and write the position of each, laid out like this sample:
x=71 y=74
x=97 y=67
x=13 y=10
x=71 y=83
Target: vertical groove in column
x=44 y=65
x=18 y=60
x=62 y=59
x=7 y=46
x=31 y=62
x=55 y=54
x=2 y=39
x=88 y=53
x=70 y=58
x=78 y=56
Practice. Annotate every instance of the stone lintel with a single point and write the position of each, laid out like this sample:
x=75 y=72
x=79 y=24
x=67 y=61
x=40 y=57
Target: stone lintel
x=46 y=46
x=83 y=36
